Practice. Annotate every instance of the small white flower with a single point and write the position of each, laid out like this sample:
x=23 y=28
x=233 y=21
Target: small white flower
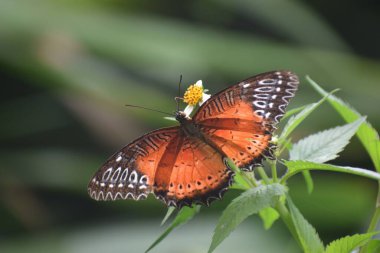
x=274 y=139
x=194 y=95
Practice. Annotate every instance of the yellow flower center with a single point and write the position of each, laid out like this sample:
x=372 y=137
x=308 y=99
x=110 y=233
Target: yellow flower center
x=193 y=94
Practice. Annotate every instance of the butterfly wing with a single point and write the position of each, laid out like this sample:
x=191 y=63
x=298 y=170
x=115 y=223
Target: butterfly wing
x=191 y=172
x=130 y=172
x=240 y=120
x=178 y=169
x=181 y=169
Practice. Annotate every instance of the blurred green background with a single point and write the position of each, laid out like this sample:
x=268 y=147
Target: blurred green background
x=68 y=67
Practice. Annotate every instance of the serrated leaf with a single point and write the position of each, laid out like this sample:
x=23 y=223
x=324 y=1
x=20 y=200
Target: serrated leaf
x=324 y=146
x=294 y=121
x=310 y=241
x=183 y=216
x=295 y=167
x=248 y=203
x=366 y=133
x=349 y=243
x=373 y=246
x=268 y=215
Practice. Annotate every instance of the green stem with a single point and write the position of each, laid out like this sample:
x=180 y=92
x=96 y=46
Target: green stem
x=263 y=175
x=274 y=171
x=375 y=219
x=287 y=219
x=251 y=182
x=349 y=170
x=250 y=179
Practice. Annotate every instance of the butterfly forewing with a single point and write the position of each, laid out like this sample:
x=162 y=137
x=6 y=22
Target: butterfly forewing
x=240 y=120
x=265 y=96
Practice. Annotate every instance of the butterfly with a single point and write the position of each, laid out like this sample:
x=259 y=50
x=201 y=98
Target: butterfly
x=187 y=164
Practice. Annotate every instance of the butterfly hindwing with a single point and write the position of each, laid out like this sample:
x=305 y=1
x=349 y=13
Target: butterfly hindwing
x=198 y=174
x=130 y=172
x=245 y=149
x=178 y=169
x=240 y=120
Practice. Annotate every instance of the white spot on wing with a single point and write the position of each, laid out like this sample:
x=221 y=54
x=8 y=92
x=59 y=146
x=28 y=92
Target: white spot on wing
x=133 y=177
x=116 y=174
x=107 y=174
x=124 y=175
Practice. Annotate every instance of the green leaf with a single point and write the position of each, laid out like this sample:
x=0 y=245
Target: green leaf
x=168 y=214
x=237 y=186
x=240 y=183
x=366 y=133
x=294 y=121
x=349 y=243
x=295 y=167
x=324 y=146
x=373 y=246
x=310 y=241
x=248 y=203
x=291 y=112
x=183 y=216
x=268 y=215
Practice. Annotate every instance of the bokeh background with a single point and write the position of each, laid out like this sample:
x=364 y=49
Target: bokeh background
x=68 y=67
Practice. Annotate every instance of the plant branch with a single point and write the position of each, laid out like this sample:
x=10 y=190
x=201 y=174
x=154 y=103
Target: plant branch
x=315 y=166
x=249 y=178
x=375 y=219
x=274 y=171
x=287 y=219
x=263 y=175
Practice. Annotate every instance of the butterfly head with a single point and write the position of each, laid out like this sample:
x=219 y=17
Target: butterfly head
x=181 y=116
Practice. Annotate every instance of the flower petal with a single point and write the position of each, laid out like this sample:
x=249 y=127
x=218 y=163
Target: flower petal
x=170 y=118
x=204 y=98
x=188 y=110
x=199 y=83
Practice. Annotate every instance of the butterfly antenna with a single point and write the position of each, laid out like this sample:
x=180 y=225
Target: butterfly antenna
x=179 y=92
x=149 y=109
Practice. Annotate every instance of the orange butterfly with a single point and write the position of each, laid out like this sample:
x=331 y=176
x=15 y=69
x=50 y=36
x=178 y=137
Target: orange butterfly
x=187 y=164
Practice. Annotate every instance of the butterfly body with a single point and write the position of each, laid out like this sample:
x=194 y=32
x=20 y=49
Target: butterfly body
x=187 y=164
x=188 y=126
